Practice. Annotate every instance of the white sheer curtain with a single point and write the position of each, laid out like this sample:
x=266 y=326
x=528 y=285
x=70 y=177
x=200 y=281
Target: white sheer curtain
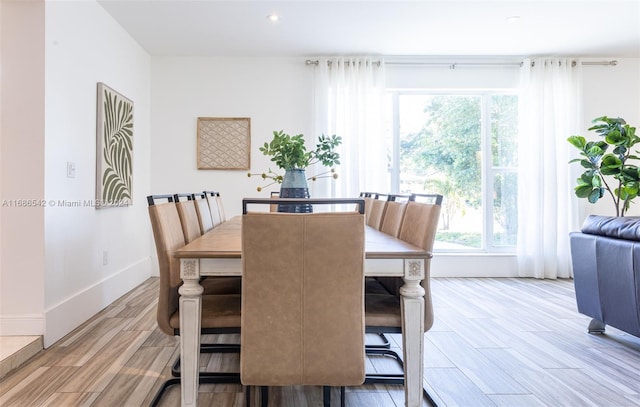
x=349 y=102
x=550 y=112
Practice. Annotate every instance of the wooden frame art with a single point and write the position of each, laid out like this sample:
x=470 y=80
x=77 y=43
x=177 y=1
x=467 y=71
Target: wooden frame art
x=224 y=143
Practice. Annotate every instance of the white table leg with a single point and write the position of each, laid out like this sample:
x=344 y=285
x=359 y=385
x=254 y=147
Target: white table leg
x=190 y=312
x=412 y=300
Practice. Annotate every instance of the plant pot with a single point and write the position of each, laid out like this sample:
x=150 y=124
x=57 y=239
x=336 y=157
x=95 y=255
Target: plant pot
x=294 y=185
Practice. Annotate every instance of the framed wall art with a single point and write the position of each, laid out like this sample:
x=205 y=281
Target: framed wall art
x=114 y=148
x=224 y=143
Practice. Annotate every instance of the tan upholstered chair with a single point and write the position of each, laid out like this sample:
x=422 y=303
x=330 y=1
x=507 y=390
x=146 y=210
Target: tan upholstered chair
x=382 y=309
x=221 y=212
x=215 y=206
x=274 y=207
x=394 y=214
x=187 y=211
x=376 y=213
x=204 y=213
x=303 y=280
x=367 y=197
x=220 y=313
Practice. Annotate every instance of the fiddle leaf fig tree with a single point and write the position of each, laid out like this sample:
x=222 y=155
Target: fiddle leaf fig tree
x=606 y=171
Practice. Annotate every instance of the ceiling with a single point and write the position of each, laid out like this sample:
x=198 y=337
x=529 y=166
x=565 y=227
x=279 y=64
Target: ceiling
x=240 y=28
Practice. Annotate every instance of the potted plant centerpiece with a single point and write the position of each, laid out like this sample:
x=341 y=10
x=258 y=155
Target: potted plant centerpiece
x=289 y=153
x=605 y=253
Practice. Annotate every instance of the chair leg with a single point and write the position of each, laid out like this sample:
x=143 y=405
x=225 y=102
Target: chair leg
x=384 y=345
x=208 y=348
x=264 y=396
x=326 y=396
x=392 y=378
x=163 y=388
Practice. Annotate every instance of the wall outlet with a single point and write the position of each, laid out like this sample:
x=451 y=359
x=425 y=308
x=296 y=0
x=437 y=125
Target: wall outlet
x=71 y=169
x=105 y=257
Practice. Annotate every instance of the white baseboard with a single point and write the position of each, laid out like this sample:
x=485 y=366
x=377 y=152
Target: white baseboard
x=67 y=315
x=474 y=265
x=23 y=325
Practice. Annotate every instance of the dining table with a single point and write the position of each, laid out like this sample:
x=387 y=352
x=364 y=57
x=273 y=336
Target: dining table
x=219 y=253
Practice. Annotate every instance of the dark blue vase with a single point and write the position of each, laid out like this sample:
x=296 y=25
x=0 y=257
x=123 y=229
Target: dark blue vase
x=294 y=185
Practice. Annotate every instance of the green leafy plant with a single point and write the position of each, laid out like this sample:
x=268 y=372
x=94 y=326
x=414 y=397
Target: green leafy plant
x=608 y=172
x=290 y=152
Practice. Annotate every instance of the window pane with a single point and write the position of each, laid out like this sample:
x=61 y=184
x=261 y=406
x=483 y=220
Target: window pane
x=504 y=130
x=440 y=144
x=505 y=209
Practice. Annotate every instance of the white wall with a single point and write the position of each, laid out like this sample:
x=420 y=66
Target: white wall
x=52 y=275
x=85 y=46
x=611 y=91
x=22 y=154
x=274 y=93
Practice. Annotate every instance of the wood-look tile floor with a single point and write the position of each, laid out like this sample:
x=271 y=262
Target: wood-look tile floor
x=496 y=342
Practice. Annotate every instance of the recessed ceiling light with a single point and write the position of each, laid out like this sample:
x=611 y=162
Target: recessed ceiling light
x=512 y=19
x=273 y=17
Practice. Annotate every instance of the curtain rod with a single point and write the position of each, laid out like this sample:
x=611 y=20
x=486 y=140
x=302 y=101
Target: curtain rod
x=453 y=65
x=316 y=62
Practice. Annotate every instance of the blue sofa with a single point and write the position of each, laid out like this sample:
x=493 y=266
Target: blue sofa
x=606 y=268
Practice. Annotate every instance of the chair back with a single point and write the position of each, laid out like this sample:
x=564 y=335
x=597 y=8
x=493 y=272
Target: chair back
x=214 y=206
x=376 y=214
x=368 y=198
x=303 y=298
x=204 y=213
x=393 y=215
x=168 y=237
x=188 y=216
x=221 y=213
x=420 y=223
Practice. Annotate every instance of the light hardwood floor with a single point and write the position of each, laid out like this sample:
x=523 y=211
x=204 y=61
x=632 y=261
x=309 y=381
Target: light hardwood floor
x=496 y=342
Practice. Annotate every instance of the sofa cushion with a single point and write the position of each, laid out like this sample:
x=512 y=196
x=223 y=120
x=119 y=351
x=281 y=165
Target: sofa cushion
x=627 y=227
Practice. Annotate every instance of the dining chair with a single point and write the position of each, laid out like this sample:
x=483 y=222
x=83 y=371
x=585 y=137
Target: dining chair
x=367 y=197
x=204 y=212
x=378 y=207
x=221 y=212
x=302 y=280
x=383 y=310
x=394 y=214
x=220 y=313
x=188 y=214
x=274 y=195
x=215 y=206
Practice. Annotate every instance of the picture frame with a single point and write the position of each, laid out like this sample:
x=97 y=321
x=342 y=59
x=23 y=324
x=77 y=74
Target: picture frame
x=224 y=143
x=114 y=148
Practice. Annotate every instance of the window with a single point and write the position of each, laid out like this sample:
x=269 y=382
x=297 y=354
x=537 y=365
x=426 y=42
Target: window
x=439 y=143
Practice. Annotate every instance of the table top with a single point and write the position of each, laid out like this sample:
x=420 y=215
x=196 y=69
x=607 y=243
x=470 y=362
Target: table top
x=224 y=241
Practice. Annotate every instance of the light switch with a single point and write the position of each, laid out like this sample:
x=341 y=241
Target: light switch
x=71 y=169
